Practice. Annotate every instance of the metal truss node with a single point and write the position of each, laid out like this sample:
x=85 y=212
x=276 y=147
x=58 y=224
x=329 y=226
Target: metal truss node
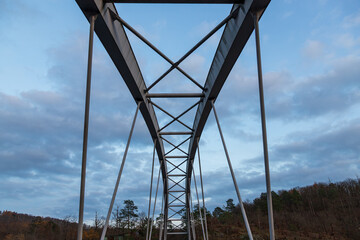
x=175 y=149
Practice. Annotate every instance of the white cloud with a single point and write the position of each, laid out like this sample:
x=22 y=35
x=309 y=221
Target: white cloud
x=346 y=40
x=313 y=49
x=352 y=20
x=287 y=14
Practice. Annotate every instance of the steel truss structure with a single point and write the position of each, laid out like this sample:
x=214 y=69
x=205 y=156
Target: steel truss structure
x=176 y=170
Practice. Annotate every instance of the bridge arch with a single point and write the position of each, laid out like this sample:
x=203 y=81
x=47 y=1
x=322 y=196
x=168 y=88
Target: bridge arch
x=110 y=29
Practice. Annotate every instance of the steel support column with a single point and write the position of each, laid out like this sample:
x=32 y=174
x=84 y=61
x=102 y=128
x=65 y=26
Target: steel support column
x=151 y=183
x=199 y=209
x=233 y=176
x=202 y=191
x=166 y=210
x=188 y=215
x=162 y=213
x=263 y=125
x=192 y=216
x=119 y=175
x=86 y=129
x=153 y=213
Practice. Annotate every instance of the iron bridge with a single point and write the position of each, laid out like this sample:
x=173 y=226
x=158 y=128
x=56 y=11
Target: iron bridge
x=176 y=170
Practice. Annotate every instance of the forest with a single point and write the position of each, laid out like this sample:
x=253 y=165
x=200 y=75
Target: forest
x=320 y=211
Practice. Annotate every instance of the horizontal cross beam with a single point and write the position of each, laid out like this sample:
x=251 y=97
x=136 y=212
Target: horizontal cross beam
x=178 y=1
x=174 y=95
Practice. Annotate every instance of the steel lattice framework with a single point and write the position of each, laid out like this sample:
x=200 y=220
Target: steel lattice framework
x=176 y=170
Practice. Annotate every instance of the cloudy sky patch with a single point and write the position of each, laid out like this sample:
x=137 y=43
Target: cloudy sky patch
x=311 y=54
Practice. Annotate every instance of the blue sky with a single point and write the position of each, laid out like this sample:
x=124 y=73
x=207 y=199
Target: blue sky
x=311 y=59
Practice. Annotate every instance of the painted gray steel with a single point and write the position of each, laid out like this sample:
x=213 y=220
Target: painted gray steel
x=178 y=1
x=110 y=29
x=236 y=33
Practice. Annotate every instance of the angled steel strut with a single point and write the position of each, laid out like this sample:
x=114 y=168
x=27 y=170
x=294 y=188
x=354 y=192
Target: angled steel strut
x=263 y=127
x=86 y=128
x=202 y=191
x=150 y=194
x=233 y=175
x=119 y=175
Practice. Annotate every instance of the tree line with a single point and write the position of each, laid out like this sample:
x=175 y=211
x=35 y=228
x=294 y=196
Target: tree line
x=320 y=211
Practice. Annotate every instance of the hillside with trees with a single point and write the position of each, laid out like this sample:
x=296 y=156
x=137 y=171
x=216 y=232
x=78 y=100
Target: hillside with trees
x=320 y=211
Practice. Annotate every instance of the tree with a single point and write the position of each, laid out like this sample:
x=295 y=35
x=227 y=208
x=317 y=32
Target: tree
x=129 y=213
x=160 y=220
x=98 y=222
x=196 y=213
x=142 y=223
x=230 y=206
x=217 y=212
x=117 y=216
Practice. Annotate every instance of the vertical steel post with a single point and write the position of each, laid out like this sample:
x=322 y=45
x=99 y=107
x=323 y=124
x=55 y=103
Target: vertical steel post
x=192 y=216
x=233 y=176
x=188 y=215
x=162 y=212
x=151 y=183
x=119 y=175
x=166 y=206
x=199 y=209
x=202 y=190
x=153 y=213
x=86 y=128
x=263 y=124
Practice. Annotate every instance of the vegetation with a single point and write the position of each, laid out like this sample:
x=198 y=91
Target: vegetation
x=321 y=211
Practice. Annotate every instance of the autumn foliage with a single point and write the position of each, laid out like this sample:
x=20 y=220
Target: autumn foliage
x=320 y=211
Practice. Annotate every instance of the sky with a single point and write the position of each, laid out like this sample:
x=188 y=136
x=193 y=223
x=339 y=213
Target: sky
x=310 y=57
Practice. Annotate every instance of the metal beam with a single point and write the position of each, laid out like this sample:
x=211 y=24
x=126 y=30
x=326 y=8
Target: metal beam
x=167 y=113
x=153 y=214
x=188 y=53
x=115 y=41
x=176 y=157
x=202 y=190
x=119 y=175
x=175 y=133
x=175 y=146
x=142 y=38
x=178 y=1
x=174 y=95
x=263 y=125
x=199 y=208
x=239 y=26
x=86 y=129
x=150 y=194
x=236 y=33
x=179 y=116
x=247 y=226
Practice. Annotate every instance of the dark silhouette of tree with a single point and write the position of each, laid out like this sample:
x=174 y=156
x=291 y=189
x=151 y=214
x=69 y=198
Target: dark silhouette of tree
x=117 y=217
x=98 y=221
x=320 y=211
x=230 y=206
x=129 y=214
x=218 y=212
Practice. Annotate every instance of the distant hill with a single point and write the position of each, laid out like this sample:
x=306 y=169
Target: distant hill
x=17 y=226
x=320 y=211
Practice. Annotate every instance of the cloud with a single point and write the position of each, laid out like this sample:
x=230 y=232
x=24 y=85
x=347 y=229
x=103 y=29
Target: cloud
x=313 y=49
x=347 y=40
x=41 y=138
x=352 y=20
x=318 y=155
x=290 y=98
x=314 y=119
x=287 y=14
x=315 y=155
